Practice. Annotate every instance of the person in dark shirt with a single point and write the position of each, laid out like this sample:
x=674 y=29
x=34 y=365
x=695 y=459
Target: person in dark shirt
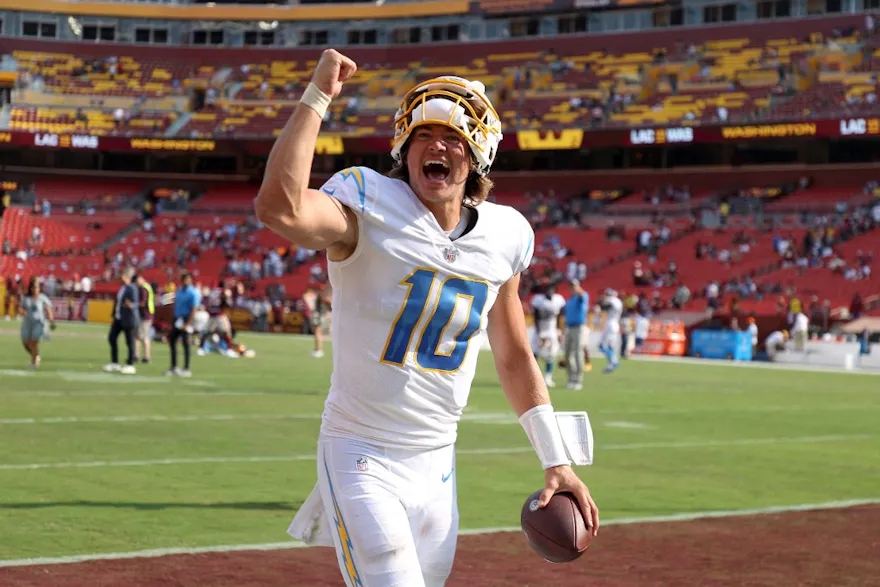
x=186 y=302
x=146 y=310
x=125 y=321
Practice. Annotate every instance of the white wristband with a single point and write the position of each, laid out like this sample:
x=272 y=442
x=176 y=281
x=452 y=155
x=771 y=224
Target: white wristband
x=315 y=99
x=543 y=432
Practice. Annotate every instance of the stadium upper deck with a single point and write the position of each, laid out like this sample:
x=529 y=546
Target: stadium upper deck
x=778 y=70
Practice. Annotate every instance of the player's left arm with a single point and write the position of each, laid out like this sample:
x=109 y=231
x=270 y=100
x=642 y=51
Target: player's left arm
x=520 y=375
x=50 y=313
x=526 y=392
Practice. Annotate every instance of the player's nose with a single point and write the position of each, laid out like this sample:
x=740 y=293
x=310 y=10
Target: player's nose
x=436 y=145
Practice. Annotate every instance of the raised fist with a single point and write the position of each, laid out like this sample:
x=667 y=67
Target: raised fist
x=333 y=70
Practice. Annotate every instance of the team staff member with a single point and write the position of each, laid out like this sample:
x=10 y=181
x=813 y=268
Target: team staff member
x=186 y=302
x=576 y=336
x=125 y=321
x=146 y=310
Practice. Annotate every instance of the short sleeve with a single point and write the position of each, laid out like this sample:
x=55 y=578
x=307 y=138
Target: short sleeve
x=354 y=188
x=527 y=245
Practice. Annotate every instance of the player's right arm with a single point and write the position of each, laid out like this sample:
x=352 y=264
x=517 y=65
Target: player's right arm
x=285 y=204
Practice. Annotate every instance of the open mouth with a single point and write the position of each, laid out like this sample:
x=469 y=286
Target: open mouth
x=436 y=170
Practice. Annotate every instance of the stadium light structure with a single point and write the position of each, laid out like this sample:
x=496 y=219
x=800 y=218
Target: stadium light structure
x=75 y=26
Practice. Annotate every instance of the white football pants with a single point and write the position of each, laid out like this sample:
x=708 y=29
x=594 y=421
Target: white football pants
x=393 y=513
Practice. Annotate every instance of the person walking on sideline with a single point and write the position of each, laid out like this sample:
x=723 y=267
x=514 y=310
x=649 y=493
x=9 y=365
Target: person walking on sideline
x=36 y=308
x=186 y=302
x=125 y=321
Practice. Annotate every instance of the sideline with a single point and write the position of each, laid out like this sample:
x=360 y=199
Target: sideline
x=679 y=517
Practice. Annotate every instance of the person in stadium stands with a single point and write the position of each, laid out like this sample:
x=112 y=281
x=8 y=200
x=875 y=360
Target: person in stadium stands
x=321 y=317
x=775 y=343
x=35 y=308
x=610 y=340
x=186 y=302
x=146 y=311
x=125 y=321
x=546 y=309
x=577 y=357
x=421 y=266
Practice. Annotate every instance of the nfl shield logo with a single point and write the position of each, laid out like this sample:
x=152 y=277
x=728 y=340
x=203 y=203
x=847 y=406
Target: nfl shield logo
x=362 y=464
x=450 y=254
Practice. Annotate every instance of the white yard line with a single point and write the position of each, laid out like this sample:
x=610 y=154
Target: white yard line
x=464 y=451
x=740 y=409
x=478 y=418
x=679 y=517
x=145 y=392
x=626 y=425
x=755 y=365
x=157 y=418
x=468 y=416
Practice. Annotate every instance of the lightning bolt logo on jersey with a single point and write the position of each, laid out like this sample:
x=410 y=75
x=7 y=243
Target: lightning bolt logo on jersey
x=409 y=313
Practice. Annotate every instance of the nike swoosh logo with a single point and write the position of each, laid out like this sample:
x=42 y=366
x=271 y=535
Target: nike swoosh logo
x=446 y=477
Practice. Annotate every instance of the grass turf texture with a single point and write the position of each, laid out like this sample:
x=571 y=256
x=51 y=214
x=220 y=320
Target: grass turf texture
x=670 y=438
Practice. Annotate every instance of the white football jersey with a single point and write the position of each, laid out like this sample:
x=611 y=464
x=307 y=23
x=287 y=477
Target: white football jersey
x=410 y=310
x=548 y=310
x=614 y=312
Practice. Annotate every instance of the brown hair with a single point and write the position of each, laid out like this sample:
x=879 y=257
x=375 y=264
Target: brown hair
x=476 y=188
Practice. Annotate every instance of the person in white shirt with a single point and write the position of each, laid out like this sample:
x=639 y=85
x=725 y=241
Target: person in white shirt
x=799 y=330
x=753 y=332
x=546 y=308
x=775 y=343
x=422 y=267
x=609 y=343
x=642 y=327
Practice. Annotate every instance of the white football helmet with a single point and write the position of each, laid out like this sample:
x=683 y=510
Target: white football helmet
x=448 y=100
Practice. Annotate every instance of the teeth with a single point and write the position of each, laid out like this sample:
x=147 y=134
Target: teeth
x=436 y=162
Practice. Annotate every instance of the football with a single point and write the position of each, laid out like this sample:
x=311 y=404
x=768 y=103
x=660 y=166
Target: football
x=557 y=532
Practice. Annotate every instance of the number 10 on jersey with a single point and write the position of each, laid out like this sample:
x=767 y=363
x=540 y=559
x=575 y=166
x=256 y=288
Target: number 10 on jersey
x=420 y=284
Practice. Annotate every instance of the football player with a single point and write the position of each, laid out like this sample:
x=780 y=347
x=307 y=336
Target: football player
x=609 y=343
x=421 y=267
x=546 y=308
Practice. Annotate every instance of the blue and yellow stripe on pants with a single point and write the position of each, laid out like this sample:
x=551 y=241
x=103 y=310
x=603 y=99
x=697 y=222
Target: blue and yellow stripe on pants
x=347 y=548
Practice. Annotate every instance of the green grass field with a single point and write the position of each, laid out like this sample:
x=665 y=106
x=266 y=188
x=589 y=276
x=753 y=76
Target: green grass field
x=93 y=462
